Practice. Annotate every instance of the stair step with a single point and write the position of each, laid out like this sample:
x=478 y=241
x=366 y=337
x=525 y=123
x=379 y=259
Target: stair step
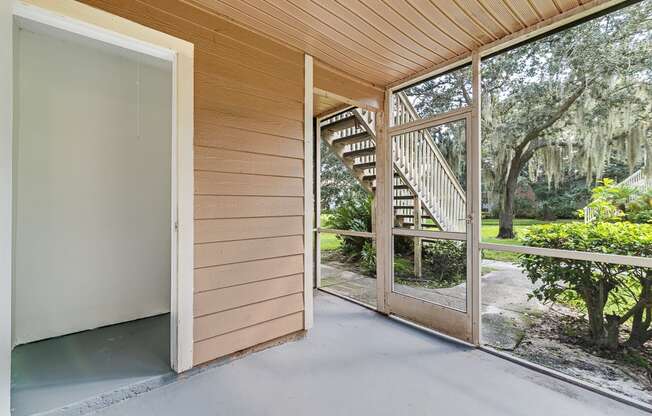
x=354 y=138
x=361 y=152
x=398 y=187
x=403 y=197
x=399 y=207
x=370 y=177
x=410 y=216
x=411 y=224
x=342 y=124
x=367 y=165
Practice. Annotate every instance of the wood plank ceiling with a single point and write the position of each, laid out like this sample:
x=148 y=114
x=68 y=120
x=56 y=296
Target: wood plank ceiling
x=382 y=41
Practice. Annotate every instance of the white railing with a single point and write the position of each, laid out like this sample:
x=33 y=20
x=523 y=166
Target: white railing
x=636 y=180
x=417 y=160
x=425 y=169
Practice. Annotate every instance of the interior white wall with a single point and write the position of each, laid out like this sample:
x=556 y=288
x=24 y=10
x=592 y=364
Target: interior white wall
x=6 y=88
x=91 y=187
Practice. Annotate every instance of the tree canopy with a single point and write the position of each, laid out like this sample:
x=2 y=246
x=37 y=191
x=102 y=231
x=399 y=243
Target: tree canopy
x=570 y=103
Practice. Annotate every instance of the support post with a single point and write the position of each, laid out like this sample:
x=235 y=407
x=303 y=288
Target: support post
x=475 y=201
x=317 y=181
x=308 y=197
x=418 y=268
x=384 y=209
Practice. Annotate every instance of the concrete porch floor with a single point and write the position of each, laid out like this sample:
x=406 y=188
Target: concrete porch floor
x=58 y=372
x=357 y=362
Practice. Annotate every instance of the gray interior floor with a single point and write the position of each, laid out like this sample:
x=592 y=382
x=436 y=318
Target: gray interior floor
x=56 y=372
x=357 y=362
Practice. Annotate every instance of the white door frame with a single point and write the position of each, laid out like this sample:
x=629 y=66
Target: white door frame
x=463 y=325
x=448 y=320
x=87 y=21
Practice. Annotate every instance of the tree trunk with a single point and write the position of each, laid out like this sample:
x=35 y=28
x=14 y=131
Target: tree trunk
x=639 y=334
x=506 y=222
x=613 y=331
x=642 y=318
x=506 y=216
x=595 y=312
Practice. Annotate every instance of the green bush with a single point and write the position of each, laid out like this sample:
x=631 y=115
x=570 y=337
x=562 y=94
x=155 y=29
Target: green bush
x=612 y=203
x=639 y=208
x=444 y=261
x=368 y=258
x=612 y=294
x=354 y=214
x=561 y=202
x=524 y=207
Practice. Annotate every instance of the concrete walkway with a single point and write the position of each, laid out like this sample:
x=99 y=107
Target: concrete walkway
x=357 y=362
x=506 y=309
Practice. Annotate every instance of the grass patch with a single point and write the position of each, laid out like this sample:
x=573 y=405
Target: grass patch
x=329 y=242
x=403 y=266
x=490 y=231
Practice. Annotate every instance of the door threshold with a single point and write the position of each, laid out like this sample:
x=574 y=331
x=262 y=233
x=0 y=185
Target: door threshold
x=348 y=298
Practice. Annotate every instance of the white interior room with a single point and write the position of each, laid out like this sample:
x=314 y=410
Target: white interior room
x=92 y=222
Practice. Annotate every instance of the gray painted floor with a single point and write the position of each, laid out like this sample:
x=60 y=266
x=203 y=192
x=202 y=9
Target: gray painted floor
x=59 y=371
x=357 y=362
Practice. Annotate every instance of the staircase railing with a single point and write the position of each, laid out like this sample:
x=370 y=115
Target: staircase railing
x=422 y=165
x=418 y=163
x=636 y=180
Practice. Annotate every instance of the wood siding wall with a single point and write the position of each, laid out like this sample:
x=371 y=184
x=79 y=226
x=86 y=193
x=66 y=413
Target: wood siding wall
x=248 y=177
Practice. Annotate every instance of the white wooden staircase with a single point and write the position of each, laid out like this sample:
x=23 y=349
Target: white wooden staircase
x=426 y=191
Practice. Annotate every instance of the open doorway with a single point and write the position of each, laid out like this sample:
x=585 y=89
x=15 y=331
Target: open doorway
x=95 y=241
x=345 y=190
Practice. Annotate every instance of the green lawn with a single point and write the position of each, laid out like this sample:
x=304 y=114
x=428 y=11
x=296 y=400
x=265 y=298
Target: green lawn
x=328 y=242
x=489 y=232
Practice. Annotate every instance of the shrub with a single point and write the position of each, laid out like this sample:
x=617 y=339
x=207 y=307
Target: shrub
x=612 y=294
x=639 y=208
x=354 y=214
x=444 y=261
x=556 y=207
x=613 y=203
x=524 y=207
x=368 y=257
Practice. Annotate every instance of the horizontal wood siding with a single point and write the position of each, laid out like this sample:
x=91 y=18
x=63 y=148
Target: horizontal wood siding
x=227 y=206
x=234 y=319
x=220 y=300
x=231 y=342
x=248 y=176
x=216 y=277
